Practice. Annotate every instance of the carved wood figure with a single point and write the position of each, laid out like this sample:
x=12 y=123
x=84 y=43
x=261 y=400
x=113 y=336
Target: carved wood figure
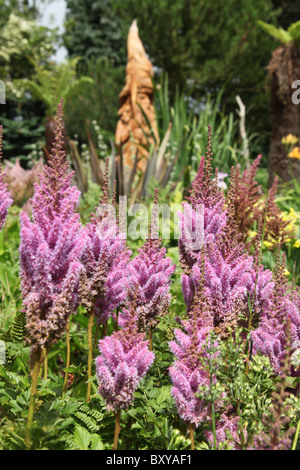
x=134 y=132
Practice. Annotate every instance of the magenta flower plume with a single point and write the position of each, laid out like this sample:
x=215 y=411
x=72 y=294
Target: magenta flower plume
x=124 y=360
x=150 y=273
x=199 y=226
x=231 y=275
x=5 y=199
x=50 y=250
x=104 y=278
x=229 y=281
x=188 y=373
x=271 y=336
x=227 y=430
x=204 y=214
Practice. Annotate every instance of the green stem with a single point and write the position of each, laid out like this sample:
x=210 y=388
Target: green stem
x=68 y=357
x=296 y=436
x=150 y=338
x=213 y=416
x=90 y=353
x=192 y=436
x=35 y=376
x=104 y=330
x=117 y=320
x=117 y=430
x=45 y=364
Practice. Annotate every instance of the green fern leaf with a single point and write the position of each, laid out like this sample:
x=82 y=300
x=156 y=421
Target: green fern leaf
x=18 y=328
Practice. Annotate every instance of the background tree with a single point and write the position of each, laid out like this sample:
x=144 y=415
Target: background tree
x=22 y=42
x=49 y=86
x=206 y=45
x=93 y=30
x=284 y=70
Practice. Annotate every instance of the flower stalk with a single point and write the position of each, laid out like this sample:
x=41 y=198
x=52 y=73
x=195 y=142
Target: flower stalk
x=68 y=357
x=90 y=352
x=117 y=430
x=33 y=390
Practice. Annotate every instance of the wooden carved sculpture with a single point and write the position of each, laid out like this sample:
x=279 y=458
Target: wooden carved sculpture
x=134 y=132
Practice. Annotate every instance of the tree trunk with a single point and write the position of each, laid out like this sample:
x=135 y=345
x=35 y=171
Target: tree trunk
x=284 y=69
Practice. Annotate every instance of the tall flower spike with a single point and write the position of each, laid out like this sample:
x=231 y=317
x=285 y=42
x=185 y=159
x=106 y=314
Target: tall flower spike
x=204 y=214
x=5 y=199
x=231 y=275
x=205 y=189
x=50 y=250
x=103 y=282
x=188 y=372
x=269 y=338
x=150 y=272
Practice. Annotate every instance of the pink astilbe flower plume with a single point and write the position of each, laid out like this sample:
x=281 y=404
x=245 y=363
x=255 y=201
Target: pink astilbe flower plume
x=270 y=337
x=123 y=361
x=150 y=273
x=188 y=372
x=231 y=275
x=103 y=284
x=5 y=199
x=50 y=250
x=204 y=214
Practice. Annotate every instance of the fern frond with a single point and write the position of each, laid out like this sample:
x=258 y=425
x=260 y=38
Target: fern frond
x=89 y=423
x=18 y=328
x=88 y=417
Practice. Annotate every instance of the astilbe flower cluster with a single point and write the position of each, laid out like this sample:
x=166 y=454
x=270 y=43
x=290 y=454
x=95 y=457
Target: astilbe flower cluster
x=231 y=277
x=188 y=373
x=277 y=433
x=21 y=182
x=5 y=199
x=194 y=348
x=231 y=274
x=270 y=337
x=204 y=214
x=103 y=282
x=224 y=286
x=50 y=249
x=249 y=208
x=123 y=361
x=149 y=278
x=243 y=195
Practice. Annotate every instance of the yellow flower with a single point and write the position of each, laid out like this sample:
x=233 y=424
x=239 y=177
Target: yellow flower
x=295 y=153
x=290 y=139
x=267 y=244
x=252 y=233
x=286 y=272
x=297 y=244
